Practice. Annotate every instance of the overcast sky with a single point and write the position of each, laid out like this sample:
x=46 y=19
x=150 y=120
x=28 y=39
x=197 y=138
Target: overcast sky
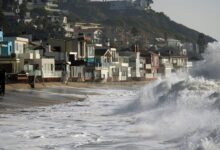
x=201 y=15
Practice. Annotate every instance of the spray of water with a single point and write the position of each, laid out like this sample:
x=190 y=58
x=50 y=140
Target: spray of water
x=210 y=66
x=182 y=112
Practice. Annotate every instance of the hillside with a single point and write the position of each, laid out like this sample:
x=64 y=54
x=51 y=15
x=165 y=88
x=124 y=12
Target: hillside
x=126 y=26
x=152 y=23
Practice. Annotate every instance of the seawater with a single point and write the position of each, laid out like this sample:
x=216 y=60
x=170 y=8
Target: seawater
x=181 y=112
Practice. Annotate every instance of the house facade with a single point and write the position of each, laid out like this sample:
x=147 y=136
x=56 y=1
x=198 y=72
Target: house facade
x=7 y=61
x=151 y=65
x=172 y=60
x=19 y=45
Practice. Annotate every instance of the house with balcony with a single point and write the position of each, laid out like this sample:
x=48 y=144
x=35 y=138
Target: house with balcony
x=151 y=64
x=38 y=65
x=8 y=61
x=5 y=46
x=94 y=35
x=136 y=63
x=122 y=71
x=172 y=60
x=78 y=58
x=103 y=63
x=60 y=49
x=68 y=28
x=19 y=45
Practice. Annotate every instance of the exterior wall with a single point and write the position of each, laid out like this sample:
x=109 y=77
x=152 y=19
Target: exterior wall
x=166 y=66
x=82 y=50
x=44 y=67
x=57 y=45
x=10 y=65
x=5 y=48
x=138 y=65
x=61 y=45
x=77 y=72
x=179 y=62
x=19 y=44
x=57 y=55
x=152 y=66
x=1 y=35
x=48 y=67
x=173 y=43
x=105 y=73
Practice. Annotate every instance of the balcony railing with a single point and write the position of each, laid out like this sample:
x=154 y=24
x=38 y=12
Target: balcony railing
x=46 y=74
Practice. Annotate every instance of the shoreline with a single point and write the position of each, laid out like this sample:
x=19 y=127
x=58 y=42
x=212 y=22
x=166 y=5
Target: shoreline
x=21 y=96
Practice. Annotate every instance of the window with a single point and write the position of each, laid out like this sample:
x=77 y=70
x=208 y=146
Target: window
x=51 y=67
x=81 y=49
x=90 y=51
x=16 y=47
x=57 y=49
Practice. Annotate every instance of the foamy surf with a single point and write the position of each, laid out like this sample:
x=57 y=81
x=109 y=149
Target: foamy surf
x=177 y=113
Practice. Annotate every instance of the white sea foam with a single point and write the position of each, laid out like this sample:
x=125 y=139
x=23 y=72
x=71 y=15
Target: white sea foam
x=177 y=113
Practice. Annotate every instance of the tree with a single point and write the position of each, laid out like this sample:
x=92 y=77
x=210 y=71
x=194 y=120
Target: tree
x=134 y=31
x=202 y=42
x=3 y=22
x=149 y=2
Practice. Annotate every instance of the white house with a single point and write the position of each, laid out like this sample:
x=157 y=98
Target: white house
x=19 y=44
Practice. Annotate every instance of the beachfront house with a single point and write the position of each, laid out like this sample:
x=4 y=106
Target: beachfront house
x=136 y=63
x=5 y=46
x=36 y=64
x=83 y=59
x=68 y=28
x=92 y=32
x=19 y=45
x=151 y=65
x=7 y=61
x=103 y=60
x=172 y=60
x=12 y=49
x=60 y=49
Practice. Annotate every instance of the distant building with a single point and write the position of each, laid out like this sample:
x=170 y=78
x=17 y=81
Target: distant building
x=174 y=43
x=92 y=32
x=68 y=28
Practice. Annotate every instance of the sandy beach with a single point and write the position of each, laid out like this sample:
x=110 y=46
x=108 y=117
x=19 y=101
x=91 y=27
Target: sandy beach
x=21 y=96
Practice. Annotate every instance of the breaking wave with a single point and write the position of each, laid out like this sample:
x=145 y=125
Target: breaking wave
x=183 y=111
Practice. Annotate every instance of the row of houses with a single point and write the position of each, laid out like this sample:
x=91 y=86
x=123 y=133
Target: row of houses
x=127 y=4
x=82 y=59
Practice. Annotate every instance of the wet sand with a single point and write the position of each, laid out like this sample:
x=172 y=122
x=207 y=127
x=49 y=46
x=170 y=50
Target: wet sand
x=21 y=96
